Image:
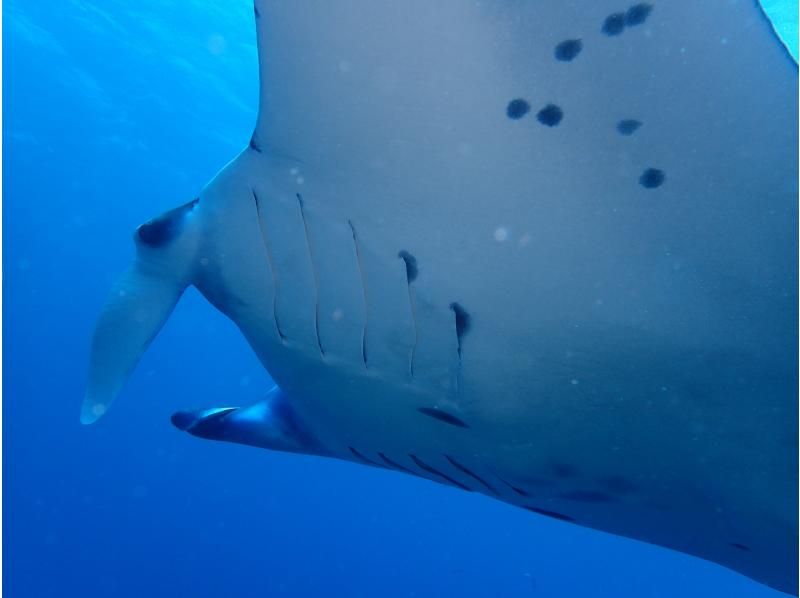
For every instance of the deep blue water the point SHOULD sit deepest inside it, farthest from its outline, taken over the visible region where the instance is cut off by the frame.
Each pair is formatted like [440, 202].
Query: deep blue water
[115, 111]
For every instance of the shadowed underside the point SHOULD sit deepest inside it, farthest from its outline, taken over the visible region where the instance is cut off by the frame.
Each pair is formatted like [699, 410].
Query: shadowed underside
[544, 252]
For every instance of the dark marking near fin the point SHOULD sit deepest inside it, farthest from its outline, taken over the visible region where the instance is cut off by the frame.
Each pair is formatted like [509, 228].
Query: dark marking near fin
[254, 145]
[411, 275]
[567, 50]
[740, 546]
[255, 9]
[614, 24]
[361, 457]
[442, 416]
[463, 322]
[587, 496]
[517, 108]
[394, 464]
[652, 178]
[550, 115]
[637, 14]
[628, 126]
[553, 514]
[411, 265]
[425, 467]
[471, 474]
[165, 228]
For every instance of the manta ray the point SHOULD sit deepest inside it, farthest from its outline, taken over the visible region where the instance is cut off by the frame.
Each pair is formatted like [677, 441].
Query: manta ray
[543, 251]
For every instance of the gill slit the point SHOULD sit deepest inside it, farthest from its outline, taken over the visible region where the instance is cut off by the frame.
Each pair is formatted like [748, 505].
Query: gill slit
[274, 274]
[364, 288]
[313, 272]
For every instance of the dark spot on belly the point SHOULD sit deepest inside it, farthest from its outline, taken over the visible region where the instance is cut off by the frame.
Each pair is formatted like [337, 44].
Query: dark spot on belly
[550, 115]
[628, 126]
[517, 108]
[411, 265]
[463, 324]
[567, 50]
[254, 145]
[159, 231]
[586, 496]
[652, 178]
[442, 416]
[463, 319]
[740, 546]
[614, 24]
[552, 514]
[637, 14]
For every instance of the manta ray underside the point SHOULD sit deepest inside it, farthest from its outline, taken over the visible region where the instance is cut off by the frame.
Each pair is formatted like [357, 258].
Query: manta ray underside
[543, 251]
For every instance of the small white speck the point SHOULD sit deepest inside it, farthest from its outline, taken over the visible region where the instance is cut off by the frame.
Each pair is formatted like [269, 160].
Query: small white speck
[294, 171]
[524, 240]
[337, 314]
[98, 409]
[300, 180]
[574, 382]
[723, 41]
[501, 234]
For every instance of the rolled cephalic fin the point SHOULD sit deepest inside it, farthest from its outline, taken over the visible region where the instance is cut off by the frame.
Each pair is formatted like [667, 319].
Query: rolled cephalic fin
[139, 304]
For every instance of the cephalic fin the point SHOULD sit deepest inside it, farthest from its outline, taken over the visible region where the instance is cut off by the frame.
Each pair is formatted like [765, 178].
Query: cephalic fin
[139, 304]
[136, 310]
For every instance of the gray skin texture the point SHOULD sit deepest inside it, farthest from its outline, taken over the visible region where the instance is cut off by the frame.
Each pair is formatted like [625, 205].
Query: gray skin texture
[624, 357]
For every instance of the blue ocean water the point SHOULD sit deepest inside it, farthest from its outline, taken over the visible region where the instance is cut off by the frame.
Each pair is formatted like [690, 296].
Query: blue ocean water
[116, 111]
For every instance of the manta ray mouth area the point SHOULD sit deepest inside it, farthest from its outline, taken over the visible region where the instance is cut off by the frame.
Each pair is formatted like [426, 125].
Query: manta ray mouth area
[205, 424]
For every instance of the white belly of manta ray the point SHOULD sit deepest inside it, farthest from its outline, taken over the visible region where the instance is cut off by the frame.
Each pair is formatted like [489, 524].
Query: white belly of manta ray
[517, 254]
